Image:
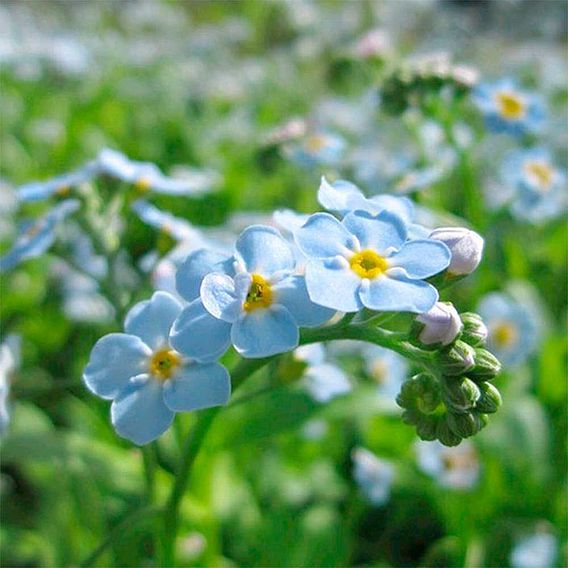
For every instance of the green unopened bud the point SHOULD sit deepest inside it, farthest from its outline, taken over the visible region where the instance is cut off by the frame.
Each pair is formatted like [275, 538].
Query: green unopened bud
[426, 427]
[446, 435]
[474, 330]
[460, 395]
[421, 392]
[465, 425]
[457, 359]
[490, 399]
[487, 366]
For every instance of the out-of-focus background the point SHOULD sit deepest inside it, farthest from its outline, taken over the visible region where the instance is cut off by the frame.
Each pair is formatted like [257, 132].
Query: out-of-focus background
[256, 93]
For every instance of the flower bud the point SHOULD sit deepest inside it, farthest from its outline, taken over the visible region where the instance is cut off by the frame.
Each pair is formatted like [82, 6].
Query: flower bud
[445, 435]
[457, 359]
[465, 245]
[465, 425]
[426, 427]
[440, 325]
[421, 393]
[460, 395]
[487, 366]
[490, 399]
[474, 330]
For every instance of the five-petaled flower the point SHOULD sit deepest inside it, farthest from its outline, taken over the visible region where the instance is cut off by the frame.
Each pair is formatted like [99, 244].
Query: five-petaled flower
[366, 261]
[146, 378]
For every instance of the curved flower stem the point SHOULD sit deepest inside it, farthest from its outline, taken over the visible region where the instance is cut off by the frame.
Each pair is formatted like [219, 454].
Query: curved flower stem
[246, 367]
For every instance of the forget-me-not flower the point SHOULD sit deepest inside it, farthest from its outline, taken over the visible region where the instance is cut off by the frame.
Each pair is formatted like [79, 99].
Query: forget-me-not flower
[513, 328]
[365, 260]
[146, 378]
[506, 108]
[36, 236]
[146, 176]
[540, 191]
[388, 369]
[538, 550]
[373, 475]
[317, 148]
[259, 309]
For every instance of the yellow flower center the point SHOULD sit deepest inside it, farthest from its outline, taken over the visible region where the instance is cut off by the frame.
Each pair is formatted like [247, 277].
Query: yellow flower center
[368, 264]
[504, 334]
[379, 371]
[63, 191]
[259, 294]
[164, 363]
[510, 105]
[542, 172]
[142, 184]
[315, 143]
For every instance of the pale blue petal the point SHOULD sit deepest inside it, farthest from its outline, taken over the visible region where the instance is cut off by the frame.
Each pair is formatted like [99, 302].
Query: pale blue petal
[139, 412]
[382, 233]
[115, 359]
[422, 258]
[401, 206]
[152, 319]
[197, 265]
[323, 236]
[265, 332]
[198, 386]
[398, 294]
[292, 293]
[339, 196]
[220, 297]
[264, 251]
[199, 335]
[333, 284]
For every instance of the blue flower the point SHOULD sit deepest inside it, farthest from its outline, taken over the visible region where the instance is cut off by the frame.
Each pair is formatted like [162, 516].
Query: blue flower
[373, 475]
[146, 176]
[343, 197]
[366, 261]
[9, 363]
[322, 379]
[35, 237]
[59, 186]
[540, 187]
[538, 550]
[147, 380]
[455, 468]
[258, 310]
[388, 369]
[317, 149]
[508, 109]
[513, 327]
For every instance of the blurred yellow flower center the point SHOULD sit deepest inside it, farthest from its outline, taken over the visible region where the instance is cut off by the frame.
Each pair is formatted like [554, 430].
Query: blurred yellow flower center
[315, 143]
[460, 461]
[510, 105]
[379, 371]
[142, 184]
[542, 172]
[164, 363]
[504, 334]
[368, 264]
[63, 190]
[259, 294]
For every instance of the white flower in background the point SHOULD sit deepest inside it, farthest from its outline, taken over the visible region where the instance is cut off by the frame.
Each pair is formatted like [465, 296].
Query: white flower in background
[9, 363]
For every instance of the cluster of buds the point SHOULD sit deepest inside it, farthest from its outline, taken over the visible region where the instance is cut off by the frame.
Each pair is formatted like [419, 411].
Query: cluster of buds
[411, 83]
[452, 400]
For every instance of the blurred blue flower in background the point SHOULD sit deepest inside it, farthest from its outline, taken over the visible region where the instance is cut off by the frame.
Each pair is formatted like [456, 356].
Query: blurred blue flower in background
[147, 380]
[387, 368]
[10, 358]
[455, 468]
[506, 108]
[539, 186]
[36, 237]
[513, 327]
[373, 475]
[366, 261]
[539, 550]
[316, 148]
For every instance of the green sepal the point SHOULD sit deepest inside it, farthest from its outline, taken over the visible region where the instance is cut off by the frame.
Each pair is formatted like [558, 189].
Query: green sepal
[474, 330]
[486, 367]
[457, 359]
[427, 426]
[446, 435]
[465, 425]
[490, 399]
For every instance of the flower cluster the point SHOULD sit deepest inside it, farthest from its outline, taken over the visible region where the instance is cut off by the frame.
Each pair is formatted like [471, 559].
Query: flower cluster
[258, 298]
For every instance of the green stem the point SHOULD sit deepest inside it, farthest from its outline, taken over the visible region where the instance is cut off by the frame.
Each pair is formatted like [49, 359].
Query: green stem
[118, 531]
[246, 367]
